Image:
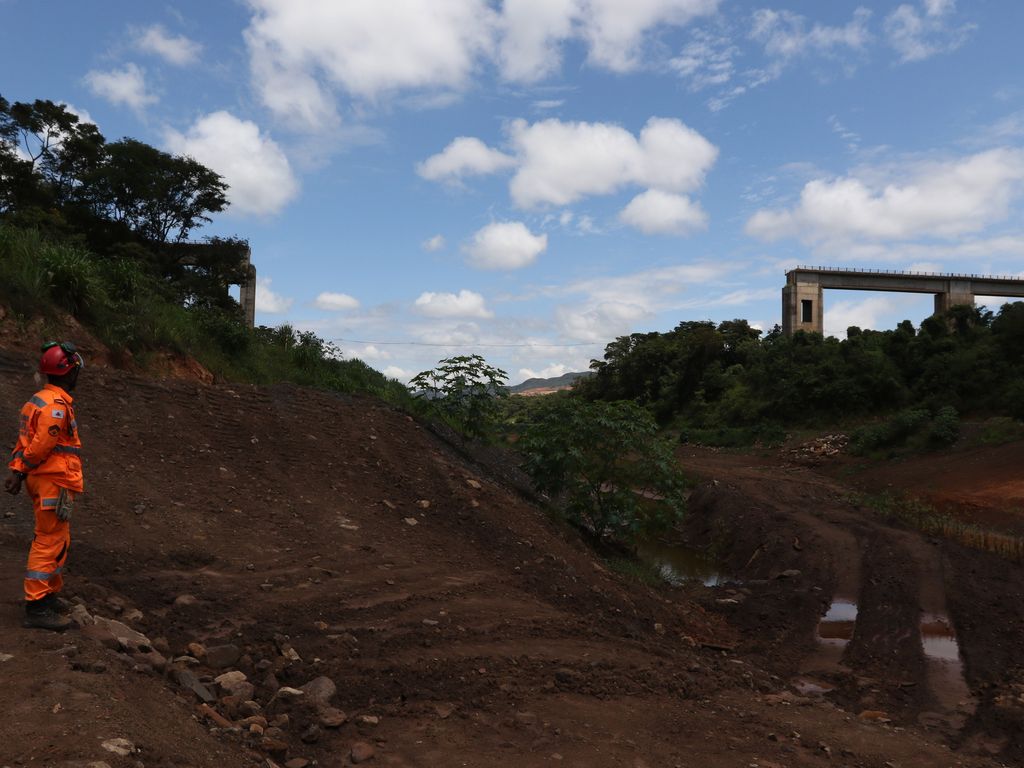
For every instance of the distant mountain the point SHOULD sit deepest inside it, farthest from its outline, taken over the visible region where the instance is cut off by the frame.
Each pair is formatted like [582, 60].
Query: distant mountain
[543, 386]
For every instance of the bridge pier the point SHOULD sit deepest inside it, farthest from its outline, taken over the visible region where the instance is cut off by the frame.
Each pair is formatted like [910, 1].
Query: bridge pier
[957, 292]
[803, 308]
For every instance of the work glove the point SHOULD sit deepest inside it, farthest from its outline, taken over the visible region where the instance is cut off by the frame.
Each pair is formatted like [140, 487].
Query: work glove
[13, 483]
[64, 505]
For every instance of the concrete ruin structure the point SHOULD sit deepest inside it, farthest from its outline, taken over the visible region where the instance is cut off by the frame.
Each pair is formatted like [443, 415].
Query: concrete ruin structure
[247, 292]
[803, 305]
[246, 285]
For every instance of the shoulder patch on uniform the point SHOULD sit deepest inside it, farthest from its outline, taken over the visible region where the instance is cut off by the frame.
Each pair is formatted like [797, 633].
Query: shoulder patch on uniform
[54, 430]
[57, 413]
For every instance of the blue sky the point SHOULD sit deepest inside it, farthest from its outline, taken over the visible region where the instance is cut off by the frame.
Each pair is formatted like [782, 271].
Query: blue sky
[529, 179]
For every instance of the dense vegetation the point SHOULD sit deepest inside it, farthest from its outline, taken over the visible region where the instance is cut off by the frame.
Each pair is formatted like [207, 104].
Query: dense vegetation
[728, 380]
[100, 230]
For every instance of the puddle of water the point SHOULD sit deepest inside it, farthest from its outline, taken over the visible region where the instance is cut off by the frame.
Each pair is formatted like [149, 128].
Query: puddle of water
[678, 564]
[939, 639]
[837, 625]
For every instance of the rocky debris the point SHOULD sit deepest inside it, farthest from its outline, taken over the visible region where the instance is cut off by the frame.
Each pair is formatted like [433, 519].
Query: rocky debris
[217, 717]
[222, 656]
[332, 718]
[790, 573]
[198, 650]
[81, 616]
[5, 657]
[423, 504]
[97, 764]
[188, 680]
[236, 684]
[121, 747]
[297, 762]
[185, 600]
[319, 691]
[117, 636]
[475, 484]
[812, 452]
[444, 711]
[361, 752]
[411, 521]
[369, 720]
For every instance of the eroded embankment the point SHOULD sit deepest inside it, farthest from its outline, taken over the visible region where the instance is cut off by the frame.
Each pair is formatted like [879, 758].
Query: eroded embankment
[876, 619]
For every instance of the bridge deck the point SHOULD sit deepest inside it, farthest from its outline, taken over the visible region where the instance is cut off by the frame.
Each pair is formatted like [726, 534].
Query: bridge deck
[906, 282]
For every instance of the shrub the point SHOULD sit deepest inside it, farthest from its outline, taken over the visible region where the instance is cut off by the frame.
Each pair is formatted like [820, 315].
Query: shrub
[604, 462]
[466, 391]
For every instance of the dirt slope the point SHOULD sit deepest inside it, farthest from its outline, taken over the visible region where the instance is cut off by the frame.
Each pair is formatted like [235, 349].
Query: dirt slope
[298, 535]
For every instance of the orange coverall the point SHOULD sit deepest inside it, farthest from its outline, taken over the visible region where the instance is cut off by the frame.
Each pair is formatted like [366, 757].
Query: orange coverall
[49, 452]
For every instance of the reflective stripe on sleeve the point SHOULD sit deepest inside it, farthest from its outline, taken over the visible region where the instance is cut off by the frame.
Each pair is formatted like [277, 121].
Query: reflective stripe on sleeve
[42, 575]
[49, 503]
[67, 449]
[38, 401]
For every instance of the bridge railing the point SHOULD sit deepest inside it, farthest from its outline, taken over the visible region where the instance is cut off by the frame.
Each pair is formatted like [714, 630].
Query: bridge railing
[902, 272]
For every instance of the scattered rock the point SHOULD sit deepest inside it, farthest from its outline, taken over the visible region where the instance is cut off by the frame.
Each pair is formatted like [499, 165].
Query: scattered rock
[369, 720]
[222, 656]
[319, 691]
[188, 680]
[790, 573]
[311, 735]
[196, 649]
[98, 764]
[5, 657]
[361, 752]
[473, 483]
[444, 711]
[274, 746]
[121, 747]
[874, 714]
[411, 521]
[184, 600]
[81, 616]
[388, 504]
[332, 718]
[236, 684]
[423, 504]
[298, 762]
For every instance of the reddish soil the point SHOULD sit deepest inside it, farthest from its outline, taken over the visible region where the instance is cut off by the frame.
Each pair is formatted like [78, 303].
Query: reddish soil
[331, 536]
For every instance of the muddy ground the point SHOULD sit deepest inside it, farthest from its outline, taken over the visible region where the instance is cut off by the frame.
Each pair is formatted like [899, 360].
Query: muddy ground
[291, 535]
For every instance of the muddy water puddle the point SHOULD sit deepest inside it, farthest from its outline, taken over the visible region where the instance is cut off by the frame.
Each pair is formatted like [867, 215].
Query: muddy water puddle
[836, 627]
[678, 564]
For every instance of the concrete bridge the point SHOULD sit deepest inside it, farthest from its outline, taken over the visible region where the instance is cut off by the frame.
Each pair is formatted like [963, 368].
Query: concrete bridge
[803, 305]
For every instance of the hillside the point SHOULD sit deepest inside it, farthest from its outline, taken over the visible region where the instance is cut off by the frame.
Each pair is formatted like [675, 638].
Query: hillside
[292, 535]
[552, 384]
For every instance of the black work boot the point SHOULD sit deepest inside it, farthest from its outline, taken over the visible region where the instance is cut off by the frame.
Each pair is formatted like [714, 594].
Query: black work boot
[43, 614]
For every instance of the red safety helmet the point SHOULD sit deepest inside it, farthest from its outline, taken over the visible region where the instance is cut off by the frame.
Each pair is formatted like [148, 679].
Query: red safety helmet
[59, 358]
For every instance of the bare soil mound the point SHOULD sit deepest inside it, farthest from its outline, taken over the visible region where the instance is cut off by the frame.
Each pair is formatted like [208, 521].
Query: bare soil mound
[318, 580]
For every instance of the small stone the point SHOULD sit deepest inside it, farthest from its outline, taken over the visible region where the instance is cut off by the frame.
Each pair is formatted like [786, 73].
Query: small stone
[311, 735]
[388, 504]
[281, 721]
[298, 762]
[184, 600]
[81, 616]
[256, 729]
[444, 711]
[229, 679]
[319, 691]
[222, 656]
[121, 747]
[5, 657]
[189, 661]
[423, 504]
[285, 692]
[134, 615]
[187, 679]
[332, 718]
[98, 764]
[361, 752]
[431, 622]
[411, 521]
[273, 746]
[790, 573]
[369, 720]
[473, 483]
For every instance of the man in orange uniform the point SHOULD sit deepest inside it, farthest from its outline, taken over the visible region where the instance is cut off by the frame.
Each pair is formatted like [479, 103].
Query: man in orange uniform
[47, 459]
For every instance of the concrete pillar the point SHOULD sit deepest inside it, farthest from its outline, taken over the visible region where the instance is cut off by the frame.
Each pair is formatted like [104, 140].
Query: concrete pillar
[803, 308]
[247, 292]
[957, 292]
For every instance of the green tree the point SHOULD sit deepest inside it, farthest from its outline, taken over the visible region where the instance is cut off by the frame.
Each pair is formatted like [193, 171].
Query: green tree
[617, 479]
[466, 390]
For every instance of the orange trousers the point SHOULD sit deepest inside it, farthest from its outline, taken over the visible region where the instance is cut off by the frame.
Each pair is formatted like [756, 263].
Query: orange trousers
[50, 545]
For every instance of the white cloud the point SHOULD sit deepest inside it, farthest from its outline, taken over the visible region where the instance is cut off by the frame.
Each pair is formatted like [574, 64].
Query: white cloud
[301, 54]
[705, 61]
[505, 245]
[917, 35]
[601, 322]
[125, 86]
[563, 162]
[785, 35]
[368, 352]
[614, 29]
[82, 115]
[175, 49]
[871, 313]
[549, 372]
[258, 172]
[463, 304]
[268, 301]
[947, 199]
[464, 156]
[663, 213]
[532, 34]
[365, 48]
[335, 302]
[394, 372]
[435, 243]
